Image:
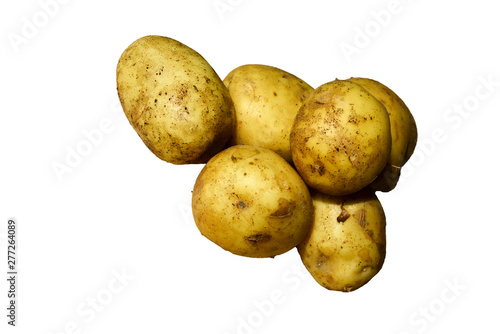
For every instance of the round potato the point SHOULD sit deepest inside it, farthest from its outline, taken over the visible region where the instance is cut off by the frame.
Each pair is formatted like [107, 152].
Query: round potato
[345, 247]
[403, 132]
[341, 138]
[174, 100]
[266, 100]
[251, 202]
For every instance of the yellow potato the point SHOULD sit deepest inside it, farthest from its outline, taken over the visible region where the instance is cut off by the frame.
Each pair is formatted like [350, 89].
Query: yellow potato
[174, 100]
[341, 138]
[251, 202]
[266, 100]
[403, 132]
[345, 247]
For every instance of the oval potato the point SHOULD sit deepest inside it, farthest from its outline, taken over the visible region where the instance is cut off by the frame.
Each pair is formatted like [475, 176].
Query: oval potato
[403, 132]
[341, 138]
[174, 100]
[251, 202]
[266, 100]
[346, 245]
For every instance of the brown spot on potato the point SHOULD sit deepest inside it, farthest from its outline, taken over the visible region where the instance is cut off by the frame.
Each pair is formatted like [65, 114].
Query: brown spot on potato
[318, 167]
[322, 258]
[260, 237]
[360, 216]
[241, 205]
[366, 268]
[353, 159]
[282, 184]
[347, 288]
[344, 215]
[285, 209]
[352, 119]
[370, 233]
[364, 254]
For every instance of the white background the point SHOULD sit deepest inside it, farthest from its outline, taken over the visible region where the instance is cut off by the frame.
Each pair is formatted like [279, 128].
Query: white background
[118, 211]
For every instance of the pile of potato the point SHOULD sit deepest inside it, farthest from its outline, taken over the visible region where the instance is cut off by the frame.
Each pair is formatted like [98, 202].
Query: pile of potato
[286, 165]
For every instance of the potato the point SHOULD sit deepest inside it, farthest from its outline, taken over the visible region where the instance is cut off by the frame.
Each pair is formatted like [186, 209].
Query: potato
[403, 132]
[174, 100]
[345, 247]
[266, 100]
[341, 138]
[251, 202]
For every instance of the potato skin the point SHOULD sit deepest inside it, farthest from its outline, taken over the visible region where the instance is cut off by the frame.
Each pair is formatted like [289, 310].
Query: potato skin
[174, 100]
[403, 132]
[251, 202]
[266, 101]
[346, 245]
[341, 138]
